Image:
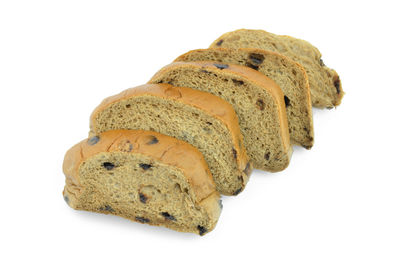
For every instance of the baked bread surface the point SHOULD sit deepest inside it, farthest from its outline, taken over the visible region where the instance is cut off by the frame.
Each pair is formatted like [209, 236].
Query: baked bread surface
[144, 176]
[325, 85]
[287, 74]
[199, 118]
[257, 100]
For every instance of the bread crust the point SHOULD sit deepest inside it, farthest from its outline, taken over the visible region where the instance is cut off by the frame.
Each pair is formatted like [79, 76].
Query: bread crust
[211, 104]
[167, 150]
[313, 54]
[299, 69]
[254, 77]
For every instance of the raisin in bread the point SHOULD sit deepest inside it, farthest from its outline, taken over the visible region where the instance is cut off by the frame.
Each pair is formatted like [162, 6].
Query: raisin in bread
[325, 85]
[205, 121]
[143, 176]
[257, 100]
[289, 76]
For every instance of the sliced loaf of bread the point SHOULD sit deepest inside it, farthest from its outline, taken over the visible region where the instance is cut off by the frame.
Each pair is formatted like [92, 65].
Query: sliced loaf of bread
[289, 75]
[205, 121]
[257, 100]
[325, 85]
[143, 176]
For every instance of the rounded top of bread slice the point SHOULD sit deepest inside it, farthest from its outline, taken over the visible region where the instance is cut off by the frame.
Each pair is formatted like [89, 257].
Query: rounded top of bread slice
[325, 84]
[165, 149]
[289, 75]
[249, 75]
[207, 102]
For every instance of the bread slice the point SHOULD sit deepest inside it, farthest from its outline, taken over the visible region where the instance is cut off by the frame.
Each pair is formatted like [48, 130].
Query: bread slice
[257, 100]
[287, 74]
[144, 176]
[199, 118]
[325, 85]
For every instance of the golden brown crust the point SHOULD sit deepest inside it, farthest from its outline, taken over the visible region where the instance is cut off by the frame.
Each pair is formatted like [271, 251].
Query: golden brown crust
[252, 76]
[213, 209]
[303, 50]
[226, 52]
[253, 50]
[167, 150]
[213, 105]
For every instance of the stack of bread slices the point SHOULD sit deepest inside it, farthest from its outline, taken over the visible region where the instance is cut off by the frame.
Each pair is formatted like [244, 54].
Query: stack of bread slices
[163, 152]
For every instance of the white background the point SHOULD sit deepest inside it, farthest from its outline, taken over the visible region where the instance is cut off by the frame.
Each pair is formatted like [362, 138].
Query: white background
[336, 204]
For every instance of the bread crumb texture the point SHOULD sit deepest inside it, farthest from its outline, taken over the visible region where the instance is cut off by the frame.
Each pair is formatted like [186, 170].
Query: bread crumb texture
[201, 119]
[287, 74]
[257, 100]
[326, 88]
[142, 176]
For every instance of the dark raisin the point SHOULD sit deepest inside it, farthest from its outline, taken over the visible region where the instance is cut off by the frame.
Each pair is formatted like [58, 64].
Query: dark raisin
[128, 106]
[66, 199]
[238, 191]
[336, 83]
[255, 67]
[202, 230]
[237, 82]
[287, 101]
[106, 208]
[108, 165]
[93, 140]
[247, 170]
[143, 198]
[153, 140]
[168, 216]
[306, 146]
[145, 166]
[306, 130]
[221, 66]
[159, 82]
[220, 42]
[321, 62]
[234, 153]
[256, 58]
[220, 204]
[266, 156]
[209, 123]
[205, 71]
[142, 219]
[260, 104]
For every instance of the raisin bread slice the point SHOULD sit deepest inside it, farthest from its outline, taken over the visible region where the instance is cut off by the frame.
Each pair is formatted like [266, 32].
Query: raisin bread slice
[289, 76]
[257, 100]
[143, 176]
[325, 85]
[199, 118]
